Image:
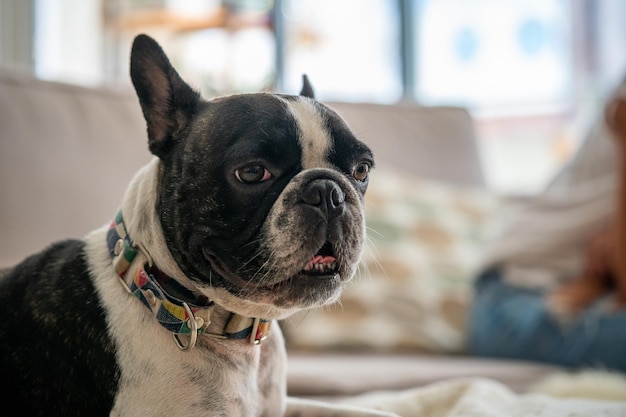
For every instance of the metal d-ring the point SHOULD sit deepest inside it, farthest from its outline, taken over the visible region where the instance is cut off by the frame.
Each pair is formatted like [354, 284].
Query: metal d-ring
[193, 336]
[145, 253]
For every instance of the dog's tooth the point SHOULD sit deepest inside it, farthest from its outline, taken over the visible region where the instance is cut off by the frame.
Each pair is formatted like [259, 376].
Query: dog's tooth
[320, 267]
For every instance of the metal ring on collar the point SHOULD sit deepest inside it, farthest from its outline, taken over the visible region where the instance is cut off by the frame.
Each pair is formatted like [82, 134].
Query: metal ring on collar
[193, 336]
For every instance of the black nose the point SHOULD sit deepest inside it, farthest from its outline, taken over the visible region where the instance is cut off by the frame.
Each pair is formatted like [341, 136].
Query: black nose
[325, 195]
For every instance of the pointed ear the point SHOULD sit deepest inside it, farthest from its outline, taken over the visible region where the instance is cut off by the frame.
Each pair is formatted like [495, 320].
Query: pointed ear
[307, 89]
[167, 102]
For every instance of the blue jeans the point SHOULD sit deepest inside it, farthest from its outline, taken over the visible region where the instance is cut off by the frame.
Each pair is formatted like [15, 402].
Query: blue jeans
[513, 322]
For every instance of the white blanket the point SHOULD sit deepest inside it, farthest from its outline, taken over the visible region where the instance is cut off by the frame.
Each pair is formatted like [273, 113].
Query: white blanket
[477, 397]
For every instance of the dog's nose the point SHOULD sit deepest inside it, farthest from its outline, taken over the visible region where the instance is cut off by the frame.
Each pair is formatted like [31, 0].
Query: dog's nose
[325, 195]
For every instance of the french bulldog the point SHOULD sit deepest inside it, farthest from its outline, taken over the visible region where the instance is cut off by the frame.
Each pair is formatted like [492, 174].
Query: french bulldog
[251, 210]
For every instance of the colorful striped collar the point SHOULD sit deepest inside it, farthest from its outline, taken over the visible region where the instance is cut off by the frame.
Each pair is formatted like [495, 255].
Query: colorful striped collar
[176, 307]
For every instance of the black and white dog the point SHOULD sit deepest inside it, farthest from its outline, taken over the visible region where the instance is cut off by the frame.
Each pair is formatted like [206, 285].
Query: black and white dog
[251, 210]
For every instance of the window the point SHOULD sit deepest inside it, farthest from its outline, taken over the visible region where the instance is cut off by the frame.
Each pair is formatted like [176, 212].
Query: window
[349, 49]
[531, 72]
[494, 55]
[59, 53]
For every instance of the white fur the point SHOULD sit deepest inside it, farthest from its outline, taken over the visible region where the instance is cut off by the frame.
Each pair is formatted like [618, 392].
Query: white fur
[142, 220]
[314, 137]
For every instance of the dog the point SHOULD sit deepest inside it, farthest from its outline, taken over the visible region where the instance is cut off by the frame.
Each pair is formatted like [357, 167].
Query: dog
[250, 210]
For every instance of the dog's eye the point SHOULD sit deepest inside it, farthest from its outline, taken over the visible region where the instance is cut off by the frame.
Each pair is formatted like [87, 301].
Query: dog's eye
[361, 171]
[253, 174]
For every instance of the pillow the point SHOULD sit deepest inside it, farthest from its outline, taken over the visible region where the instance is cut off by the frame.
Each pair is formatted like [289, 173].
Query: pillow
[414, 285]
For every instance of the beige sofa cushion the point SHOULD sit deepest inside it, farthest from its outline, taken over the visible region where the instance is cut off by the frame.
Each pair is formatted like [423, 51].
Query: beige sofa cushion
[66, 155]
[435, 142]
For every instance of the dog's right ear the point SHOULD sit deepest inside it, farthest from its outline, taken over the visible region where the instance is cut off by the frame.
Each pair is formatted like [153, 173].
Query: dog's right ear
[167, 102]
[307, 88]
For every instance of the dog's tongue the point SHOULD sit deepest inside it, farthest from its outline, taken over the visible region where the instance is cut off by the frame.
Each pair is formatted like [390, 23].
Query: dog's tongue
[320, 259]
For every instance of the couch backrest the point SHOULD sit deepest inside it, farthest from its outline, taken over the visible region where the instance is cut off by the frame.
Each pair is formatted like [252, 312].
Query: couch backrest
[435, 142]
[67, 154]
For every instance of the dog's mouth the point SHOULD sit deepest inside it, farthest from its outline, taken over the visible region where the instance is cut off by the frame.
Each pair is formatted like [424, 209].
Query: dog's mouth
[323, 263]
[295, 280]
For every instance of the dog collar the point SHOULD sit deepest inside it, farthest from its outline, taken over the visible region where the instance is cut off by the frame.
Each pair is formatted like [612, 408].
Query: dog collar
[176, 307]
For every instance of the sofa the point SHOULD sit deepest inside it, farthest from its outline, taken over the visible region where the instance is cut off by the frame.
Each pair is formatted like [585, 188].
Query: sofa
[68, 152]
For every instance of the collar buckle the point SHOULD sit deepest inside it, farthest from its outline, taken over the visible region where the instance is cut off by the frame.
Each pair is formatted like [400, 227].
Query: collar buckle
[193, 323]
[260, 330]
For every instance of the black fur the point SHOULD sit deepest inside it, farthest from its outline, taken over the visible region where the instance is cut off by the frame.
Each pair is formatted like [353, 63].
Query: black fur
[59, 330]
[220, 221]
[307, 88]
[167, 102]
[209, 219]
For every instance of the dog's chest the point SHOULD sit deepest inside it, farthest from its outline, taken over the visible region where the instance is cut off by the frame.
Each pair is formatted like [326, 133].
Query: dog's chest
[203, 382]
[204, 385]
[156, 378]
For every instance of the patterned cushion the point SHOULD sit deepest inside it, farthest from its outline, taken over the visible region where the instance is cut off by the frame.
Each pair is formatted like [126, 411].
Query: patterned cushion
[425, 241]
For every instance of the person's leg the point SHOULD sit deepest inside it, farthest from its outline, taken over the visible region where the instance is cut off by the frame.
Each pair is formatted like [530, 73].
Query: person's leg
[511, 322]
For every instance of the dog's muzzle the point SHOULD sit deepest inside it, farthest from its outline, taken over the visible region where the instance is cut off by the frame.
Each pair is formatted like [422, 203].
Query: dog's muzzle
[312, 238]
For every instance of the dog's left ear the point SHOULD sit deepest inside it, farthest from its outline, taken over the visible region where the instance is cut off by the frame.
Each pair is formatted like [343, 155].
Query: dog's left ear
[167, 102]
[307, 89]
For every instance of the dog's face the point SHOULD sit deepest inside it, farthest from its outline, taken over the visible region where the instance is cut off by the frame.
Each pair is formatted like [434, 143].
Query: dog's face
[260, 195]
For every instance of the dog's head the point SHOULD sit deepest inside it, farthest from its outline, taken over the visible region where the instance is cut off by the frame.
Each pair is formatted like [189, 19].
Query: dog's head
[260, 196]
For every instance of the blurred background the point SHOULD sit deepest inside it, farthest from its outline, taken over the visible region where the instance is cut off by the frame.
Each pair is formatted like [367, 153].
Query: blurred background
[533, 73]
